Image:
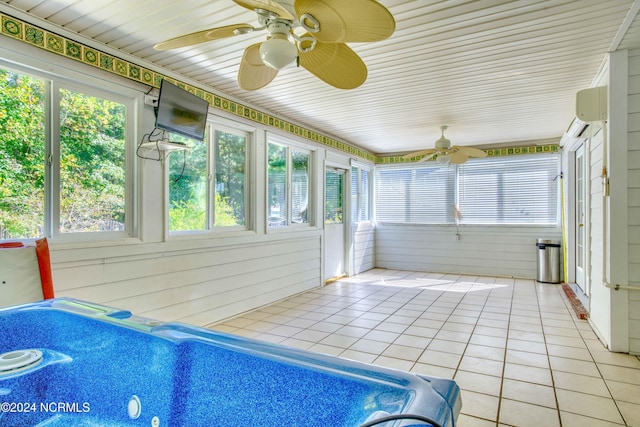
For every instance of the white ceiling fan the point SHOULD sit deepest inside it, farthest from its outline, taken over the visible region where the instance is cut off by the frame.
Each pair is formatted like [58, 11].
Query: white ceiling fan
[319, 46]
[445, 152]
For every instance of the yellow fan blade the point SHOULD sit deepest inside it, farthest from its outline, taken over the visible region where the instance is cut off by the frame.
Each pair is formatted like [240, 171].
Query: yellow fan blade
[203, 36]
[470, 151]
[345, 21]
[421, 153]
[253, 74]
[269, 5]
[458, 157]
[335, 64]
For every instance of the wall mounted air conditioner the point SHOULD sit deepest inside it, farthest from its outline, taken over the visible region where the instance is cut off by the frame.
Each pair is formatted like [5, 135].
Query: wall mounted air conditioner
[591, 104]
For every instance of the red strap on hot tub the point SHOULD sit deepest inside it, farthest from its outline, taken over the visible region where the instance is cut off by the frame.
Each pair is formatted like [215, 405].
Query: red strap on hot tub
[44, 262]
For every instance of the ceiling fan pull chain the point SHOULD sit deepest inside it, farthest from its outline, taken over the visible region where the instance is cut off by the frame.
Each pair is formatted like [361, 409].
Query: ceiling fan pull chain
[304, 18]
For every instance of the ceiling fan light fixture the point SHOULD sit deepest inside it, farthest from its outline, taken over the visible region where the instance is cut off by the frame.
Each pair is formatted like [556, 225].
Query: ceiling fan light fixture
[278, 51]
[443, 159]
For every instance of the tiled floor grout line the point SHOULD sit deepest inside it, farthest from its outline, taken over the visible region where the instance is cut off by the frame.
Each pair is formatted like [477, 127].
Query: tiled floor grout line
[546, 346]
[427, 346]
[504, 359]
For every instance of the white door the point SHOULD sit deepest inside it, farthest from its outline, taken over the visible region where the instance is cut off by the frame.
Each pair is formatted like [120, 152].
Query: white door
[334, 224]
[580, 220]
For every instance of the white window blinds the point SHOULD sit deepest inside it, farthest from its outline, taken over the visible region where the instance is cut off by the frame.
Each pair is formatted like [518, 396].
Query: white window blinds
[364, 195]
[497, 190]
[416, 194]
[355, 205]
[509, 190]
[360, 195]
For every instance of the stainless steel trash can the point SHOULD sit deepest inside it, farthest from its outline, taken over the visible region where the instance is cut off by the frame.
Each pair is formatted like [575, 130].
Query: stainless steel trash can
[548, 260]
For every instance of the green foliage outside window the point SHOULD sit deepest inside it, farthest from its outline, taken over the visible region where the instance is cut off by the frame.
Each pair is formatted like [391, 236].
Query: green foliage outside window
[277, 185]
[230, 163]
[188, 187]
[188, 183]
[91, 163]
[287, 186]
[22, 155]
[333, 197]
[188, 215]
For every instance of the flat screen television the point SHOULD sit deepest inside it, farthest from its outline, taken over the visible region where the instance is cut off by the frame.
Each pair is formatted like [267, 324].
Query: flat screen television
[181, 112]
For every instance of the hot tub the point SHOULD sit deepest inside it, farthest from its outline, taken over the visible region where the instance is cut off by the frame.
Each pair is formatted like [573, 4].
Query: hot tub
[65, 362]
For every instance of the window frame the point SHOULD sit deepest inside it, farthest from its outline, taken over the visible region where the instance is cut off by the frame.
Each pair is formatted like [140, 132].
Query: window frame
[218, 124]
[130, 143]
[290, 146]
[54, 82]
[342, 174]
[357, 200]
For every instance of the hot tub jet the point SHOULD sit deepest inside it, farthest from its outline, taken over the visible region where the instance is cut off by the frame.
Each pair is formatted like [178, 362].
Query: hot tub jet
[17, 360]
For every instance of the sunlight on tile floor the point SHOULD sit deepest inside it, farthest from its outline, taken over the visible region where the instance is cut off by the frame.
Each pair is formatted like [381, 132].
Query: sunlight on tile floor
[515, 347]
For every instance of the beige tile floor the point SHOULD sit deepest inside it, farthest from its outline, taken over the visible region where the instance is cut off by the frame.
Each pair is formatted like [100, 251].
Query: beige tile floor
[515, 347]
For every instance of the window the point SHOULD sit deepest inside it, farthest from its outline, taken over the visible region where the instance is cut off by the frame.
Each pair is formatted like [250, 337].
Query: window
[287, 185]
[277, 185]
[416, 194]
[86, 189]
[299, 187]
[333, 196]
[365, 210]
[188, 186]
[498, 190]
[22, 156]
[195, 202]
[360, 194]
[230, 156]
[92, 163]
[509, 190]
[354, 194]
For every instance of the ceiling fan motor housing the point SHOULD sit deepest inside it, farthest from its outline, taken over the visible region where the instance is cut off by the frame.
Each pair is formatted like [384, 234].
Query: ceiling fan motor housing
[443, 143]
[279, 26]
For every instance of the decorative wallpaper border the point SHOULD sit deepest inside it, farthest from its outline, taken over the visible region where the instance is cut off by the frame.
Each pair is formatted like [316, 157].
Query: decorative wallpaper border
[76, 51]
[534, 149]
[54, 43]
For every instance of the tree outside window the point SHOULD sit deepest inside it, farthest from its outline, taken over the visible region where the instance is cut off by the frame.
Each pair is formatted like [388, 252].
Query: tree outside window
[288, 184]
[92, 163]
[87, 190]
[22, 156]
[196, 203]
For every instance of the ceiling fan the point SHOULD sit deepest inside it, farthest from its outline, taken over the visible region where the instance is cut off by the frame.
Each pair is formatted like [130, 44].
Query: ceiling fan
[326, 25]
[445, 152]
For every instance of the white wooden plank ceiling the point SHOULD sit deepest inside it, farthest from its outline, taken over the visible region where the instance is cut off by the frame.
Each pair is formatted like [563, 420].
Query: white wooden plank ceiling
[495, 71]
